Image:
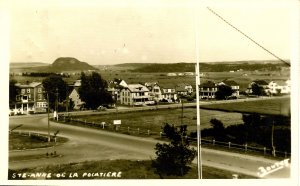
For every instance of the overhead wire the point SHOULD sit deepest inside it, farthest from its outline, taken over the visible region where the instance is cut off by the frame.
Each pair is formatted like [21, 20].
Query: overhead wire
[250, 38]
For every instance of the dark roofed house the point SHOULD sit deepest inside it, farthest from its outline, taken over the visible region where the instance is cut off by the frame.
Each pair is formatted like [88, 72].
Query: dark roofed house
[208, 90]
[261, 83]
[234, 86]
[184, 89]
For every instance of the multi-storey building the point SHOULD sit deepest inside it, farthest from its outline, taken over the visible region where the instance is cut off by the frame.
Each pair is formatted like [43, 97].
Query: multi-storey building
[134, 95]
[31, 99]
[169, 94]
[155, 92]
[208, 90]
[234, 86]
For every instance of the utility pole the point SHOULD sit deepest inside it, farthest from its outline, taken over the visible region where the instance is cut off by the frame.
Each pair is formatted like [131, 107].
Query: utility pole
[197, 76]
[67, 99]
[56, 103]
[48, 117]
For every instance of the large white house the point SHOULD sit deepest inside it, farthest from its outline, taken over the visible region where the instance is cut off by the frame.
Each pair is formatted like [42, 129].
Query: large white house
[74, 95]
[282, 87]
[155, 92]
[135, 95]
[169, 94]
[208, 90]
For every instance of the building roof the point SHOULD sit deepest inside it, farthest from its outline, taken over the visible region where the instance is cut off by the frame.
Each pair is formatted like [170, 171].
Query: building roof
[30, 85]
[181, 87]
[208, 84]
[230, 83]
[137, 88]
[260, 82]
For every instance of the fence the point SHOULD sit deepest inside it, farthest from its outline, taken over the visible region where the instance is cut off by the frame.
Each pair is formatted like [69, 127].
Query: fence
[43, 137]
[111, 127]
[146, 132]
[243, 148]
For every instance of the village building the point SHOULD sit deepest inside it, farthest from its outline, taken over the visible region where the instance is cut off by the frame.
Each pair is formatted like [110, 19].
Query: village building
[155, 92]
[234, 86]
[169, 94]
[208, 90]
[184, 89]
[31, 99]
[135, 95]
[74, 95]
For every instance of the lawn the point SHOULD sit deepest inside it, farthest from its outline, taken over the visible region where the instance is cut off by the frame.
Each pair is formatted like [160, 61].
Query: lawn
[153, 120]
[21, 141]
[119, 169]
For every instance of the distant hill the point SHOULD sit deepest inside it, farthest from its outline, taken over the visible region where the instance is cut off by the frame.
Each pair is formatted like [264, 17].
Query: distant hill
[61, 64]
[210, 67]
[69, 64]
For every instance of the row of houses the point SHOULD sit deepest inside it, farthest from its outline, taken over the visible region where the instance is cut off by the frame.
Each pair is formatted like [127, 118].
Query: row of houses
[32, 97]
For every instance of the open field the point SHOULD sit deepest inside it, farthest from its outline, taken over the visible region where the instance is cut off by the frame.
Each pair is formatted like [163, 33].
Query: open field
[124, 169]
[154, 119]
[280, 106]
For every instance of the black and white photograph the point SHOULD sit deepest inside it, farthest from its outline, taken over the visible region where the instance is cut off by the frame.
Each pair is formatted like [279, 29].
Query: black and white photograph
[149, 90]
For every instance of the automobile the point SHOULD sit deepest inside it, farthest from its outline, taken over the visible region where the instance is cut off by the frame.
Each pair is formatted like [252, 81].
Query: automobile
[150, 102]
[11, 112]
[101, 108]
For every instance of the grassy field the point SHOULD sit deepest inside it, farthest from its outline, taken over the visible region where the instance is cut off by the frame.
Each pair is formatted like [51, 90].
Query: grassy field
[21, 142]
[154, 119]
[124, 169]
[280, 106]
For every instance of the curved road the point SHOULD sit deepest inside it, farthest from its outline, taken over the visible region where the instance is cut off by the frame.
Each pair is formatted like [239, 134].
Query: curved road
[90, 144]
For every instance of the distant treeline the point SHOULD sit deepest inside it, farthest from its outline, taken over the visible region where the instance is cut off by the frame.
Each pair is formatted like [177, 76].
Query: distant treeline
[42, 74]
[206, 67]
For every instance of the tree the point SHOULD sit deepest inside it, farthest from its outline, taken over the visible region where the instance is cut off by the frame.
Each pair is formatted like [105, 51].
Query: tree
[251, 123]
[223, 92]
[55, 87]
[93, 91]
[13, 91]
[257, 90]
[218, 129]
[174, 158]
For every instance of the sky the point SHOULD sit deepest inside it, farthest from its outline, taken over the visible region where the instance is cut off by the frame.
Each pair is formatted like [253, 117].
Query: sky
[158, 31]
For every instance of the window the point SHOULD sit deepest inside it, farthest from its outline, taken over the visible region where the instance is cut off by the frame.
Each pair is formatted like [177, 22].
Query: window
[29, 97]
[39, 96]
[39, 90]
[28, 90]
[23, 91]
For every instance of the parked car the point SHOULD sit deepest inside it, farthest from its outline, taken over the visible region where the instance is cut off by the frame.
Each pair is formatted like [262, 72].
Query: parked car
[101, 108]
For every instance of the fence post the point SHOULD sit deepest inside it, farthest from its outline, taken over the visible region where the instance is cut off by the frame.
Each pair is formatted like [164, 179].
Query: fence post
[29, 134]
[128, 128]
[229, 144]
[274, 152]
[148, 132]
[265, 151]
[160, 134]
[85, 122]
[246, 147]
[213, 142]
[138, 130]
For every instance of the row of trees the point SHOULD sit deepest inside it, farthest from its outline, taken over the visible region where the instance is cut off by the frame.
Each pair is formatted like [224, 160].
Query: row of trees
[268, 131]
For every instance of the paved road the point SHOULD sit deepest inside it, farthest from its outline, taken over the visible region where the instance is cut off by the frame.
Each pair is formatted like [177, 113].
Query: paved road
[90, 144]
